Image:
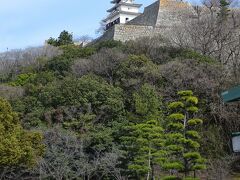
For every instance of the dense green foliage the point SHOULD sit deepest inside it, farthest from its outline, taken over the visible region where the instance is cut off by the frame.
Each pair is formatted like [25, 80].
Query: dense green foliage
[110, 111]
[146, 142]
[183, 138]
[65, 38]
[17, 146]
[224, 10]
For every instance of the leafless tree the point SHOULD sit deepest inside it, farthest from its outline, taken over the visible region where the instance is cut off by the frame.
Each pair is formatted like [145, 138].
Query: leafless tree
[102, 63]
[81, 67]
[83, 40]
[13, 62]
[211, 36]
[13, 173]
[108, 164]
[153, 47]
[102, 28]
[30, 53]
[10, 92]
[220, 169]
[64, 158]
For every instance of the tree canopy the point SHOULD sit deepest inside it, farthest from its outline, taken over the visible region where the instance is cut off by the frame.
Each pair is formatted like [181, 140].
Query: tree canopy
[17, 146]
[65, 38]
[144, 109]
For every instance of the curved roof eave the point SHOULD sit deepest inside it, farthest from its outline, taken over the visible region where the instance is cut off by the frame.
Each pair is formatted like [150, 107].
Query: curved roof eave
[122, 3]
[121, 12]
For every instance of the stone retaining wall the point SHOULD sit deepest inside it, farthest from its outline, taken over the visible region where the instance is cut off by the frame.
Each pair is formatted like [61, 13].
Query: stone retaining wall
[157, 18]
[149, 16]
[108, 35]
[126, 32]
[131, 32]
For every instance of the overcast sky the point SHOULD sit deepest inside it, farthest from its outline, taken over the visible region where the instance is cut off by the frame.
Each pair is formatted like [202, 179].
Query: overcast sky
[27, 23]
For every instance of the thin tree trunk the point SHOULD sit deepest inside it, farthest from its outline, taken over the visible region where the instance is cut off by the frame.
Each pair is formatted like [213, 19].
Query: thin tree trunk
[153, 174]
[149, 164]
[185, 161]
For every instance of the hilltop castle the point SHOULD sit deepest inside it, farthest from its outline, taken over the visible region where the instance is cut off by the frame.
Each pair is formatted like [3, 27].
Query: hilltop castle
[125, 22]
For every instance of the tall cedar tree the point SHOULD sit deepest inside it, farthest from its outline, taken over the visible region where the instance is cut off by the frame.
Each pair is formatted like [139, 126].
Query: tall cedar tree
[182, 139]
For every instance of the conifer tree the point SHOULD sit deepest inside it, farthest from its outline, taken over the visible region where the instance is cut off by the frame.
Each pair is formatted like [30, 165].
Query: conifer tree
[182, 140]
[65, 38]
[147, 104]
[142, 139]
[146, 142]
[17, 146]
[224, 10]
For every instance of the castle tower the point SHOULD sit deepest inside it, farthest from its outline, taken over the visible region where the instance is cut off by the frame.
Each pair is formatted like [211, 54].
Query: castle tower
[122, 12]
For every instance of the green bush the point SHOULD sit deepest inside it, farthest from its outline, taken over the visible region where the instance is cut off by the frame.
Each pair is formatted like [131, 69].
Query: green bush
[90, 93]
[190, 178]
[43, 78]
[23, 79]
[17, 146]
[190, 54]
[136, 71]
[73, 51]
[108, 44]
[63, 63]
[171, 178]
[59, 64]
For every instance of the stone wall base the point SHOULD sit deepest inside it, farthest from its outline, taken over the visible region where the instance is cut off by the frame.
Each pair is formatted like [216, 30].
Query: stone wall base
[125, 32]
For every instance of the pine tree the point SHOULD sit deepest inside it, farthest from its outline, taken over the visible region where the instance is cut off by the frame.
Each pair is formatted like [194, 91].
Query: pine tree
[147, 105]
[224, 10]
[143, 139]
[65, 38]
[182, 140]
[146, 142]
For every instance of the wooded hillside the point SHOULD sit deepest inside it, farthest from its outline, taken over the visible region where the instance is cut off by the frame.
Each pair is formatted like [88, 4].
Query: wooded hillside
[143, 109]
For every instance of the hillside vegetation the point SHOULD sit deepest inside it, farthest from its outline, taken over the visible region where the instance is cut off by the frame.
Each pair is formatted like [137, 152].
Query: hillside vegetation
[108, 110]
[144, 109]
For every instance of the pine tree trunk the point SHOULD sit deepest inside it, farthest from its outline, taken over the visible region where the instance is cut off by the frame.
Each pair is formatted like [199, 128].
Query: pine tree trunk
[185, 161]
[149, 164]
[153, 175]
[186, 168]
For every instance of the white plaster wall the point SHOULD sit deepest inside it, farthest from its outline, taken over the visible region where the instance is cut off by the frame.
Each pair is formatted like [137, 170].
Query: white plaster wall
[128, 1]
[124, 16]
[129, 9]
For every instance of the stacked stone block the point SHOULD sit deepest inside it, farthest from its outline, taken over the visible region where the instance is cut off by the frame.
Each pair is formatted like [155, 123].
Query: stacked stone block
[156, 19]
